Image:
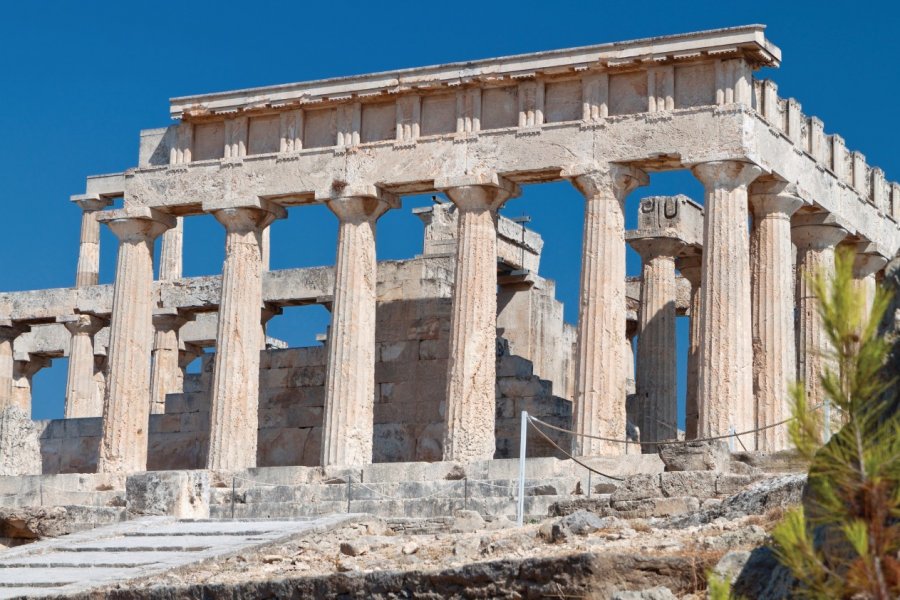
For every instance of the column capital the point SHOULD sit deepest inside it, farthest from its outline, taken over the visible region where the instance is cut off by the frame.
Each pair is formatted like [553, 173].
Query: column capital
[35, 362]
[361, 208]
[90, 202]
[818, 230]
[726, 174]
[690, 267]
[170, 319]
[867, 261]
[249, 217]
[82, 323]
[777, 198]
[591, 179]
[138, 224]
[10, 330]
[477, 191]
[653, 247]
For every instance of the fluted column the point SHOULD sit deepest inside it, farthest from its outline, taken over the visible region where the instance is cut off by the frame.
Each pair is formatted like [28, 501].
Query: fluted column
[23, 374]
[170, 252]
[234, 419]
[81, 390]
[350, 381]
[725, 395]
[689, 267]
[772, 295]
[471, 376]
[165, 376]
[126, 403]
[815, 235]
[88, 271]
[657, 373]
[599, 407]
[9, 331]
[866, 265]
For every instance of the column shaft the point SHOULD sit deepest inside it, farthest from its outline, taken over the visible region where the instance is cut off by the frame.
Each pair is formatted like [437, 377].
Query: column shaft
[350, 383]
[772, 295]
[81, 390]
[170, 252]
[234, 419]
[656, 377]
[471, 377]
[165, 375]
[689, 267]
[126, 405]
[88, 270]
[815, 239]
[600, 365]
[725, 396]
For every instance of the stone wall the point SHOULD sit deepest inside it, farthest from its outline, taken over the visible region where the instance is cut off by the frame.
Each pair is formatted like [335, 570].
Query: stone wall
[412, 347]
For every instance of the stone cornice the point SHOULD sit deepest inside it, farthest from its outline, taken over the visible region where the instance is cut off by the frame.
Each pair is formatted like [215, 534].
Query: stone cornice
[747, 41]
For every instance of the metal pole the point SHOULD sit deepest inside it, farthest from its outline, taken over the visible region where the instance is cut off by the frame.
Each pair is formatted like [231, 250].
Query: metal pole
[589, 483]
[731, 439]
[349, 479]
[826, 421]
[523, 437]
[466, 491]
[232, 498]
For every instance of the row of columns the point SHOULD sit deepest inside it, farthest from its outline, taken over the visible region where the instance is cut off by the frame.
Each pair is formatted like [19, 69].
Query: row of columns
[723, 373]
[738, 382]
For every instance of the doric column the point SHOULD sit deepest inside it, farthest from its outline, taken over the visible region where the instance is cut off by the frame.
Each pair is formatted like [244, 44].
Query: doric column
[815, 235]
[866, 264]
[23, 373]
[471, 375]
[126, 404]
[81, 390]
[235, 390]
[689, 267]
[88, 271]
[350, 381]
[726, 353]
[599, 407]
[657, 374]
[165, 374]
[170, 252]
[9, 331]
[772, 296]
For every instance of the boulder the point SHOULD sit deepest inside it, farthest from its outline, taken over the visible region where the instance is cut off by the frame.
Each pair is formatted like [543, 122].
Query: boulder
[696, 456]
[657, 593]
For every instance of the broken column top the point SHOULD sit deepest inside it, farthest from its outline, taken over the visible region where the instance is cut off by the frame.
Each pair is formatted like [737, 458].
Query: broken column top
[677, 217]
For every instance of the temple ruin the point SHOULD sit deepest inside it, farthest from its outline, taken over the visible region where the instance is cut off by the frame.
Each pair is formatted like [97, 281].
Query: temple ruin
[433, 358]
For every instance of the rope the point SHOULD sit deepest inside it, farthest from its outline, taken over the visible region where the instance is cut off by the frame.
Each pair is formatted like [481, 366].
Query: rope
[552, 443]
[667, 442]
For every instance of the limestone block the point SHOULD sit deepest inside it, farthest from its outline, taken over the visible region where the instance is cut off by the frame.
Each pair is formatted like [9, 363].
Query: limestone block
[696, 456]
[638, 487]
[20, 447]
[182, 494]
[434, 349]
[684, 483]
[728, 484]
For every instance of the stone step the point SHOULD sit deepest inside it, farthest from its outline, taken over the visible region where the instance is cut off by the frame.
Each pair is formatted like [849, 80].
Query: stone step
[107, 555]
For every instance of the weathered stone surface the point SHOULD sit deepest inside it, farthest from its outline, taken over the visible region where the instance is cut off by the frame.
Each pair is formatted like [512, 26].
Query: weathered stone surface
[20, 447]
[183, 494]
[638, 487]
[657, 593]
[696, 456]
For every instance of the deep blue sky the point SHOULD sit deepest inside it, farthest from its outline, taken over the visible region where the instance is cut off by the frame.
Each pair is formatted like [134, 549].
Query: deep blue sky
[81, 79]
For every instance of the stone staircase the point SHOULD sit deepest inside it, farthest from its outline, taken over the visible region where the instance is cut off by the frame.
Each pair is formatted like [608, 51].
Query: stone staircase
[84, 561]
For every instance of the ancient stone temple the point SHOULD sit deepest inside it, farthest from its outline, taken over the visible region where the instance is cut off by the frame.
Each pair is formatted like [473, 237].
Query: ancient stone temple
[433, 358]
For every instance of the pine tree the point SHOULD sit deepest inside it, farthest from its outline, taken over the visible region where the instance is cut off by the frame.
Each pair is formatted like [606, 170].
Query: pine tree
[845, 543]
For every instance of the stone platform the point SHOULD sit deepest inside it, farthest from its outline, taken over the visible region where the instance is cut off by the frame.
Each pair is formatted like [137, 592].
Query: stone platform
[83, 561]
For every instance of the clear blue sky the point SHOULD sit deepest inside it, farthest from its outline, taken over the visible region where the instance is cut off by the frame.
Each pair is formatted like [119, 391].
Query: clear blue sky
[80, 79]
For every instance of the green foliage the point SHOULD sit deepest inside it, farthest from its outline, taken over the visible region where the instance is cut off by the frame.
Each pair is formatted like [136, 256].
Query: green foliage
[719, 588]
[846, 543]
